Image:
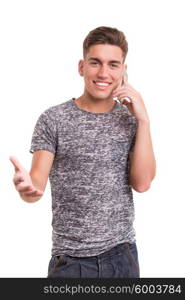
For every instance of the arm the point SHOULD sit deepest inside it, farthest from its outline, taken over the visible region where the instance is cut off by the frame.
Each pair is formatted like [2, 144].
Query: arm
[142, 160]
[31, 185]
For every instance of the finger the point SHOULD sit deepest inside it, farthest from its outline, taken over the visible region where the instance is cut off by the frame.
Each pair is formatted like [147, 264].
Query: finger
[35, 193]
[125, 93]
[28, 189]
[121, 95]
[16, 163]
[118, 90]
[124, 88]
[20, 187]
[18, 179]
[126, 102]
[121, 83]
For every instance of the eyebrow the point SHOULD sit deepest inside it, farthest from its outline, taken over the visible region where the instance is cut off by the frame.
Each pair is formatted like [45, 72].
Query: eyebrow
[111, 61]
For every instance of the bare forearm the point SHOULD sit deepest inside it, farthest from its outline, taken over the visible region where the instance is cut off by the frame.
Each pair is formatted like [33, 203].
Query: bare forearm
[143, 164]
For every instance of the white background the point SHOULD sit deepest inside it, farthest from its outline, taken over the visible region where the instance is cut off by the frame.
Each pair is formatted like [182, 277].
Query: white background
[41, 44]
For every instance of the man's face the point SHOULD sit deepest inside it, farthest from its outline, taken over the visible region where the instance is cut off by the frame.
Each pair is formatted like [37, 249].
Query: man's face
[102, 70]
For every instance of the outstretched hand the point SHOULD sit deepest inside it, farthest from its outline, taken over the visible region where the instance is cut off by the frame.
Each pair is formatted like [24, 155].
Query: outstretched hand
[22, 180]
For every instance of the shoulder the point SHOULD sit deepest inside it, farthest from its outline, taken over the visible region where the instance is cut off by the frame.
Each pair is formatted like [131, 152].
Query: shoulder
[54, 113]
[58, 109]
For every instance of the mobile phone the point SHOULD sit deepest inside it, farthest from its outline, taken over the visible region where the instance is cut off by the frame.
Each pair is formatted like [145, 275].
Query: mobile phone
[126, 74]
[122, 83]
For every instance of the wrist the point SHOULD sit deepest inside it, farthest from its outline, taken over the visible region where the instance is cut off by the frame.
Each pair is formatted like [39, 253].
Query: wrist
[144, 121]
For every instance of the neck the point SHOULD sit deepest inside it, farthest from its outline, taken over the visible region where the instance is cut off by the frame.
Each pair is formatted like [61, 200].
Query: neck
[95, 105]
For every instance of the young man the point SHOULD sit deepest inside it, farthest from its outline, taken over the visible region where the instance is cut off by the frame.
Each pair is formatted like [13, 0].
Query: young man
[94, 149]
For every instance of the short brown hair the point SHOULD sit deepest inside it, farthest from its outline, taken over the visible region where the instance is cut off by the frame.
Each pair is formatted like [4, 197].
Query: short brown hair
[105, 35]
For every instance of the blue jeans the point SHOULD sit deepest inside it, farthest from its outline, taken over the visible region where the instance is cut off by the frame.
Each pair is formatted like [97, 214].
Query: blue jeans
[119, 262]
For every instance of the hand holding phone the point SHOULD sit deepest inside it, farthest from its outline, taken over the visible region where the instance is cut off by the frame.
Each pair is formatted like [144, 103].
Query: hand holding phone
[120, 85]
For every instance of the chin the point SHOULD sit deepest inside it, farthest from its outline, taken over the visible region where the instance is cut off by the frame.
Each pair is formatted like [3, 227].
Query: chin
[100, 96]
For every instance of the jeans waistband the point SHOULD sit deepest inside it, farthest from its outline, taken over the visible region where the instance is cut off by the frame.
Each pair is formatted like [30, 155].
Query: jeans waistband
[113, 251]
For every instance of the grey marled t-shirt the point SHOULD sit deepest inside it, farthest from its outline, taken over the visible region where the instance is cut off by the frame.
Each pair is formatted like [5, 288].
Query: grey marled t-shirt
[92, 201]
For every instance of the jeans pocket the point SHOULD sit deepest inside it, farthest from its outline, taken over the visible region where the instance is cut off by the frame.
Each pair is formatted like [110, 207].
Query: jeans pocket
[133, 258]
[55, 263]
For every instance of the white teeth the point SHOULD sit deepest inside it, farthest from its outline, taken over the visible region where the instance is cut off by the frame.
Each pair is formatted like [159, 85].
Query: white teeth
[102, 83]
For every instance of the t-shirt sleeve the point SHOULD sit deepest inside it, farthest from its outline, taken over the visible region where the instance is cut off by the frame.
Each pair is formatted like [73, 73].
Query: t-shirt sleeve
[45, 133]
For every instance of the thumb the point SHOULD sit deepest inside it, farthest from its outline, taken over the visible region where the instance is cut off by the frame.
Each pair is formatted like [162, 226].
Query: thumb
[16, 163]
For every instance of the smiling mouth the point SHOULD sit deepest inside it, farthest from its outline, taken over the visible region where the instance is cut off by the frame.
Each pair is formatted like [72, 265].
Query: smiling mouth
[101, 84]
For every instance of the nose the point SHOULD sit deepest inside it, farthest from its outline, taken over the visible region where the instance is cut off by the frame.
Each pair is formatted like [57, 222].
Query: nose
[103, 72]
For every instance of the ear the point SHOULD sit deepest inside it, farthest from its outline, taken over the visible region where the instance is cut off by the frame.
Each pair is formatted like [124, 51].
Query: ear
[81, 67]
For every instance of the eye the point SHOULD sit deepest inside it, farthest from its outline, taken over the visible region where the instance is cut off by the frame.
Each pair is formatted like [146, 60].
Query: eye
[114, 65]
[94, 63]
